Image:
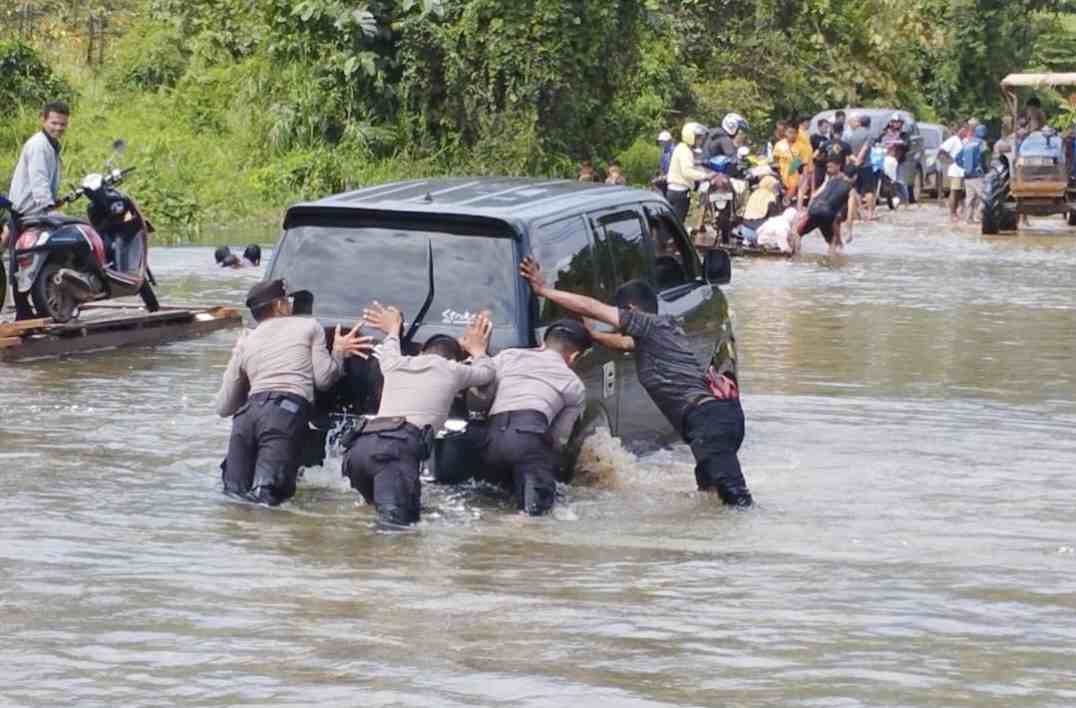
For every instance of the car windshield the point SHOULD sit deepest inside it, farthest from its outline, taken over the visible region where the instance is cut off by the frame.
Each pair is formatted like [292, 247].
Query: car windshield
[348, 267]
[1039, 145]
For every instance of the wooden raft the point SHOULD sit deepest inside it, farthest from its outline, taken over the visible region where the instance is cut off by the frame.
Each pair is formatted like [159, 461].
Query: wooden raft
[108, 325]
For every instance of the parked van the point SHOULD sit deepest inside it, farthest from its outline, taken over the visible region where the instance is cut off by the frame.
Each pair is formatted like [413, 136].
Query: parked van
[465, 238]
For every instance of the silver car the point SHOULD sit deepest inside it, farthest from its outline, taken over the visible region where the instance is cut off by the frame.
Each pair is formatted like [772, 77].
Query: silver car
[933, 169]
[912, 170]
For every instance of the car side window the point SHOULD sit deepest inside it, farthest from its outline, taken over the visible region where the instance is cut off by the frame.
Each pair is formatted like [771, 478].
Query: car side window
[624, 237]
[563, 250]
[675, 263]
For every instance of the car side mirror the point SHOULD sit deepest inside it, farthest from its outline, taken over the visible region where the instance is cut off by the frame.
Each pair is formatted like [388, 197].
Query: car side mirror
[717, 264]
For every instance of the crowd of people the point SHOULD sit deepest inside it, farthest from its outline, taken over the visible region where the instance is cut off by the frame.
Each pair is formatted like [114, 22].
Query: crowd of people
[826, 177]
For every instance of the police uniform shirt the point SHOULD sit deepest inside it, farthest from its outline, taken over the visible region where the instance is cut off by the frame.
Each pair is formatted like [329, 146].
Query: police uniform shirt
[282, 354]
[539, 380]
[421, 388]
[665, 364]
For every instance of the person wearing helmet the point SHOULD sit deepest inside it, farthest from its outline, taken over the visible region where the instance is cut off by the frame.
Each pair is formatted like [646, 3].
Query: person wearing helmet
[683, 173]
[667, 145]
[723, 140]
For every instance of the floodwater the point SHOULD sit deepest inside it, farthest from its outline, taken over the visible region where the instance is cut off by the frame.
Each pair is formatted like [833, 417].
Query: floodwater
[910, 443]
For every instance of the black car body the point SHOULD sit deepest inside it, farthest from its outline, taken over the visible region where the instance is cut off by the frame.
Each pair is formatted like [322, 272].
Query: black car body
[373, 243]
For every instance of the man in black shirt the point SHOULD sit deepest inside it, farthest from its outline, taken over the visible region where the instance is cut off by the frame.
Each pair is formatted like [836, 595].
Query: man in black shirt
[826, 144]
[833, 202]
[702, 404]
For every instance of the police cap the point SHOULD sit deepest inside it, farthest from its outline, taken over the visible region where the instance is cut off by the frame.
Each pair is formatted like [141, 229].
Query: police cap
[266, 292]
[572, 331]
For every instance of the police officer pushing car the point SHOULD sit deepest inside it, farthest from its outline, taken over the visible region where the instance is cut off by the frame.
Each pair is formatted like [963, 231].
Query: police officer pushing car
[385, 454]
[702, 404]
[268, 388]
[538, 399]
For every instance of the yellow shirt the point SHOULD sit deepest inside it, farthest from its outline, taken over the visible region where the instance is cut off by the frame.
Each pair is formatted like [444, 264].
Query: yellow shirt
[682, 170]
[788, 161]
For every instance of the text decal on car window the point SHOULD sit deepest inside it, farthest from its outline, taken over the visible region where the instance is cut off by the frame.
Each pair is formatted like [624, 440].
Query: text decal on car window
[451, 317]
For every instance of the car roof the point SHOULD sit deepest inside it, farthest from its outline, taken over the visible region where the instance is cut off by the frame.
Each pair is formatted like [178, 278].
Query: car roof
[509, 199]
[874, 113]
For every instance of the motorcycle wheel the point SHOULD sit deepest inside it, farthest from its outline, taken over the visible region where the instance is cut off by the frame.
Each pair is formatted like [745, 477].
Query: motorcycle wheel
[149, 297]
[49, 298]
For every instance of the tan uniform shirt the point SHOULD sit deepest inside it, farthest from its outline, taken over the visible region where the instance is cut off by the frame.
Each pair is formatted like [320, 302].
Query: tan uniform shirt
[421, 388]
[539, 380]
[283, 354]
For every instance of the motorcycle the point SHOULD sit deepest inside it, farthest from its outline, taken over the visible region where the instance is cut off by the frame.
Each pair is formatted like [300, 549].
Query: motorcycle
[723, 195]
[59, 262]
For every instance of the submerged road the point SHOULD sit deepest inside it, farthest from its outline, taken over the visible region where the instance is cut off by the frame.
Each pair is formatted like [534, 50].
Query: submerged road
[910, 442]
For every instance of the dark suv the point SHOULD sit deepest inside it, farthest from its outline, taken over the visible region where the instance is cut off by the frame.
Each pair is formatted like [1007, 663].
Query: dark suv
[376, 243]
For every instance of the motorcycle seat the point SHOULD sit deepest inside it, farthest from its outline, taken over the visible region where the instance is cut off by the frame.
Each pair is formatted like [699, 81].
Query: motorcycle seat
[49, 221]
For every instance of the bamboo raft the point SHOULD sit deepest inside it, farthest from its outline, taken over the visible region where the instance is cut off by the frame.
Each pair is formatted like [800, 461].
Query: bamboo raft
[108, 326]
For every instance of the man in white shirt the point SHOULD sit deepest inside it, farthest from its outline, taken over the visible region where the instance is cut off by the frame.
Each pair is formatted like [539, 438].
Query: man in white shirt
[954, 175]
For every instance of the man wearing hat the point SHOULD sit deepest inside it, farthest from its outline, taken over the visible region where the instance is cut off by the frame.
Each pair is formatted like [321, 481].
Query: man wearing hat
[385, 455]
[538, 399]
[268, 389]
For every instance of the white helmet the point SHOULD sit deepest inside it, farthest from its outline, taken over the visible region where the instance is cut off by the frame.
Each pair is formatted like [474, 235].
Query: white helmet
[733, 123]
[692, 131]
[664, 136]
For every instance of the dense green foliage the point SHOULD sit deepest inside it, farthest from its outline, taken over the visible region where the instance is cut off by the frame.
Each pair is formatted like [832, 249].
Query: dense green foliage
[25, 79]
[236, 107]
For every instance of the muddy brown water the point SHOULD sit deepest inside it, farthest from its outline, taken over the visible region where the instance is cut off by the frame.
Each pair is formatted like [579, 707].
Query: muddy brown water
[910, 442]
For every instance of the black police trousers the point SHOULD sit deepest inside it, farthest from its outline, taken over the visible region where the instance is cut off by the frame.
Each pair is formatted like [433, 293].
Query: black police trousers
[384, 467]
[518, 454]
[714, 429]
[263, 453]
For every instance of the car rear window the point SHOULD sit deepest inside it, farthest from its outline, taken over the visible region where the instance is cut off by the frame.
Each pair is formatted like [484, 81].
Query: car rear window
[348, 267]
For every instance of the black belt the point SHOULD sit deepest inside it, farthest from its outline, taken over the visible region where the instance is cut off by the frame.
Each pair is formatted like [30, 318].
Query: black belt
[387, 426]
[278, 396]
[502, 421]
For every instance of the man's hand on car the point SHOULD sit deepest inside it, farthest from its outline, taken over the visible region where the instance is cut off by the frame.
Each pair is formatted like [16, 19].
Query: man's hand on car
[352, 343]
[385, 318]
[475, 339]
[532, 273]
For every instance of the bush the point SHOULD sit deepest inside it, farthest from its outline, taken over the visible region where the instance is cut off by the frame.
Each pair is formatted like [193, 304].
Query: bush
[640, 161]
[26, 80]
[713, 99]
[148, 56]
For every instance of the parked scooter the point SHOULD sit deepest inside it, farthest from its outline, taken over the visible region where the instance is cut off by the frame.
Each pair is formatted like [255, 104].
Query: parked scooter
[59, 262]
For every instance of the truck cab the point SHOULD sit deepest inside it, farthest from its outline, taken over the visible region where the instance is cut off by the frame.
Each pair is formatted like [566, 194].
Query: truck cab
[465, 237]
